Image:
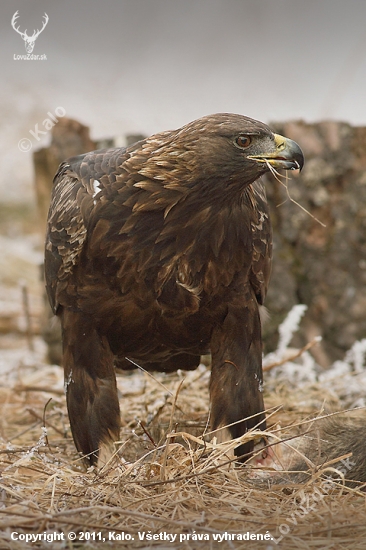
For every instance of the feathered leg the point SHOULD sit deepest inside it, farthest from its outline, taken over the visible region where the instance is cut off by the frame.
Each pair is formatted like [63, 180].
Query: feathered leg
[90, 385]
[236, 376]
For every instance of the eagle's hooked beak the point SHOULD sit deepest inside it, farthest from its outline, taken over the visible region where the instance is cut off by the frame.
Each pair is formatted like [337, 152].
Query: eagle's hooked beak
[286, 155]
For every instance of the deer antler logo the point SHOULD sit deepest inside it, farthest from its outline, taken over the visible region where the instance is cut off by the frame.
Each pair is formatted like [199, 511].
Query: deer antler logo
[29, 40]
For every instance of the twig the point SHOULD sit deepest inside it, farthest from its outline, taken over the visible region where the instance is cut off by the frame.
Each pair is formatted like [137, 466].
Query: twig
[278, 177]
[44, 423]
[43, 420]
[20, 387]
[30, 428]
[140, 423]
[166, 450]
[294, 356]
[149, 374]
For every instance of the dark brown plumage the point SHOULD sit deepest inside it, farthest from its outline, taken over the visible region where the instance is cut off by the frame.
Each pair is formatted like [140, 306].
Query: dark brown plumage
[159, 253]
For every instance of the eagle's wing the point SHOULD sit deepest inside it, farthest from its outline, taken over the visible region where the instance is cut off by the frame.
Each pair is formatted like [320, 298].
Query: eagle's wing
[76, 186]
[66, 230]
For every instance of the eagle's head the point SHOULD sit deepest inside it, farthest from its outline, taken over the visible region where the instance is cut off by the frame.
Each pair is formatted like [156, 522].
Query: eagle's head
[215, 150]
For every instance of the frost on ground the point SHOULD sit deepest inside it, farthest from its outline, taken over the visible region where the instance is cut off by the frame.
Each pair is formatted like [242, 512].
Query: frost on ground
[346, 378]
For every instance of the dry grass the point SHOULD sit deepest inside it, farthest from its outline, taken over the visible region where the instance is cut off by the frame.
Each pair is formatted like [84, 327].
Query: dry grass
[166, 482]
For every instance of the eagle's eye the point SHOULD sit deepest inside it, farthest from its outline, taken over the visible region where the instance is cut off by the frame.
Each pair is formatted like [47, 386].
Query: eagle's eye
[243, 141]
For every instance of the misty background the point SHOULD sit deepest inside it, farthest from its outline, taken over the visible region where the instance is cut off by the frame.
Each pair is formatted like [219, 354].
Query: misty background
[142, 66]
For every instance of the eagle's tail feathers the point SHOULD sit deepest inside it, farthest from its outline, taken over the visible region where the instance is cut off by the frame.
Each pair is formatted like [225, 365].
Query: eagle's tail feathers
[91, 391]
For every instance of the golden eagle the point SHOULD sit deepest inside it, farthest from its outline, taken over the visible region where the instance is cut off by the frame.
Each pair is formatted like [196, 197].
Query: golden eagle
[157, 254]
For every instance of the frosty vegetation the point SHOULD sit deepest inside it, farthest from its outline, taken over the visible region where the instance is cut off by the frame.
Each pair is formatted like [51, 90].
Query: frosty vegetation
[346, 378]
